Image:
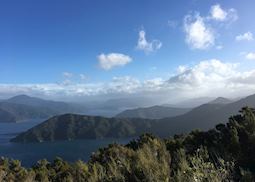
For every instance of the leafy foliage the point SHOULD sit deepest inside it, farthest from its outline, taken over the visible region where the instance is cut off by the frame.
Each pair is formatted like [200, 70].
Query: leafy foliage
[223, 154]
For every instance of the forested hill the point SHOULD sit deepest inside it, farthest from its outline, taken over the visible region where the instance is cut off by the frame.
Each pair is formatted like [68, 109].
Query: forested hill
[223, 154]
[72, 126]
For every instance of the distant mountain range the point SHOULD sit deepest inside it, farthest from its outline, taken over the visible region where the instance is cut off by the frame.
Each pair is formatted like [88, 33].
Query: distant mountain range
[111, 107]
[221, 100]
[154, 112]
[37, 102]
[167, 111]
[23, 107]
[73, 126]
[191, 103]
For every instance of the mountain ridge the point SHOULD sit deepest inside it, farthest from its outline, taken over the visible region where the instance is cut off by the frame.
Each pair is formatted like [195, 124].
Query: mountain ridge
[23, 107]
[153, 112]
[80, 127]
[221, 100]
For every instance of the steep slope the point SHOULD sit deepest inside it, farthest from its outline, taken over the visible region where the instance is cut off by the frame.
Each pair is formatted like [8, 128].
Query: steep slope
[73, 126]
[221, 100]
[203, 117]
[154, 112]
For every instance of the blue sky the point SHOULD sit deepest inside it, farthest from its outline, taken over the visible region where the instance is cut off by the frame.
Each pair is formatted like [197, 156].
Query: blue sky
[80, 44]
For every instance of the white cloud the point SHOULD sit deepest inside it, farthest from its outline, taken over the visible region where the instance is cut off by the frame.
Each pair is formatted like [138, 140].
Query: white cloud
[109, 61]
[219, 14]
[67, 74]
[207, 78]
[147, 46]
[125, 84]
[246, 36]
[212, 71]
[214, 78]
[198, 34]
[181, 69]
[250, 56]
[66, 82]
[201, 31]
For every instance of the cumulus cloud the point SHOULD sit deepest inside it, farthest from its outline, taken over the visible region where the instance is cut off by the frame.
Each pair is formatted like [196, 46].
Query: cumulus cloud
[198, 34]
[250, 56]
[181, 69]
[212, 71]
[147, 46]
[201, 31]
[219, 14]
[246, 36]
[214, 78]
[207, 78]
[109, 61]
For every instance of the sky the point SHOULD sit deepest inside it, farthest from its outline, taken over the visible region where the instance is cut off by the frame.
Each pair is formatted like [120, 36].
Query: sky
[167, 50]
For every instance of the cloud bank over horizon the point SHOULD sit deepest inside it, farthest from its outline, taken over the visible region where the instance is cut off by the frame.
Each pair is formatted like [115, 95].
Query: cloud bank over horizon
[209, 78]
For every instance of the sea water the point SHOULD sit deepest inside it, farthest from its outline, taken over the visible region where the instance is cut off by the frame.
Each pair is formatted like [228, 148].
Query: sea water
[30, 153]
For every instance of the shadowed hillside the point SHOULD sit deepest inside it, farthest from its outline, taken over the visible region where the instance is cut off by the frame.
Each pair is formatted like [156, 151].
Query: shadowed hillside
[72, 126]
